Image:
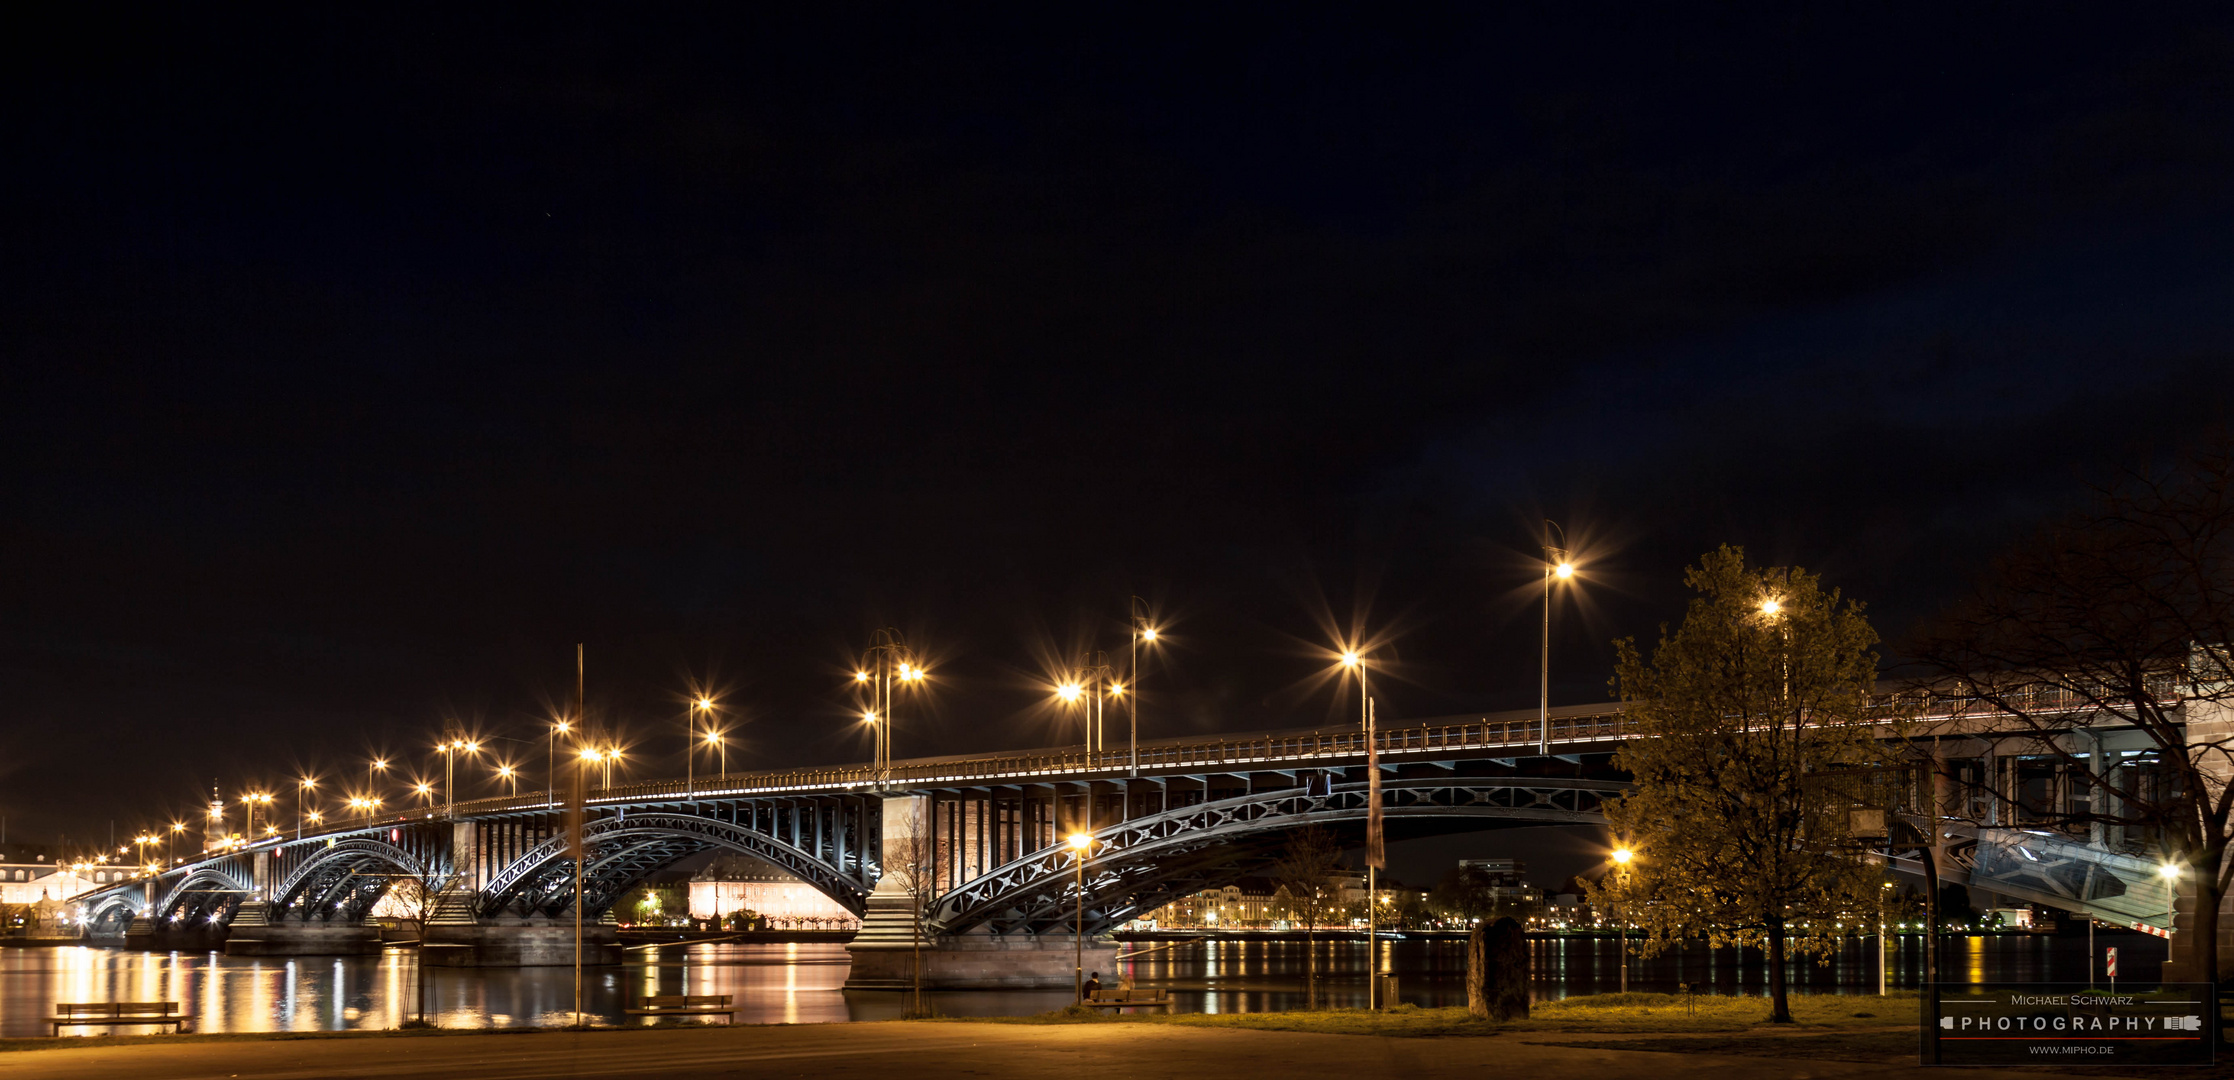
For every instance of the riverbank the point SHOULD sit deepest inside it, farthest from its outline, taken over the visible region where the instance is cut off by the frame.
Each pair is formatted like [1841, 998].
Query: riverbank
[1670, 1014]
[935, 1051]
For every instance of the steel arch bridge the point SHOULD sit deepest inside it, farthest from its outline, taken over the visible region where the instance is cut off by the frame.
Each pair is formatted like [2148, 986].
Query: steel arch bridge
[1186, 815]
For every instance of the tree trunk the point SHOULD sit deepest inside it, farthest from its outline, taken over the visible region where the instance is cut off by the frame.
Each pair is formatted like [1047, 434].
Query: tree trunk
[1477, 973]
[1780, 1003]
[1506, 948]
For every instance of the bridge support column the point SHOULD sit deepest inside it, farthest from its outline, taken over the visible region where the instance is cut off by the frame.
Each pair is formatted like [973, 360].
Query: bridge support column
[981, 960]
[519, 943]
[893, 942]
[290, 938]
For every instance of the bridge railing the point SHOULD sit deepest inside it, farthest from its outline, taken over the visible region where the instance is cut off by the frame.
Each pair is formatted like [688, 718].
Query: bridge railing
[1276, 750]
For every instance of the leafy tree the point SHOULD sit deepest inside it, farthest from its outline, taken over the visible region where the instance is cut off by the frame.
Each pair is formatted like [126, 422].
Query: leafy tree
[1307, 873]
[2116, 615]
[1755, 726]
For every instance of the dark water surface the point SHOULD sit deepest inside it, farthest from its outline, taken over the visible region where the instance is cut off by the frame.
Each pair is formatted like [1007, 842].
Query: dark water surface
[800, 984]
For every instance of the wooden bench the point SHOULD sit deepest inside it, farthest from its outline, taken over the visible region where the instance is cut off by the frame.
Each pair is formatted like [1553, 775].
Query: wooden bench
[1123, 998]
[684, 1005]
[117, 1013]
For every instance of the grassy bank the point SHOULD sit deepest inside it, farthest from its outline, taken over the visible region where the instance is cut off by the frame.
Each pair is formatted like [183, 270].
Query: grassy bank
[1599, 1013]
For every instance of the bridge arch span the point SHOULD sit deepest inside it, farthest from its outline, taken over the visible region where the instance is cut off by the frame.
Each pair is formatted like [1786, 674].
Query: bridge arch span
[344, 881]
[209, 892]
[1144, 863]
[622, 851]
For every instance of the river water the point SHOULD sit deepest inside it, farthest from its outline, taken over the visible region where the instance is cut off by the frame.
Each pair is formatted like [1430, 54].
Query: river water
[801, 984]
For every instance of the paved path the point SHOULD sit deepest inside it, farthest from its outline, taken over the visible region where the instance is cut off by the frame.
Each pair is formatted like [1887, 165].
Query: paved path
[894, 1051]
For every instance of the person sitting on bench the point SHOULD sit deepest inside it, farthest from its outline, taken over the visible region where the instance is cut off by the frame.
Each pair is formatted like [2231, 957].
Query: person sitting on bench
[1093, 985]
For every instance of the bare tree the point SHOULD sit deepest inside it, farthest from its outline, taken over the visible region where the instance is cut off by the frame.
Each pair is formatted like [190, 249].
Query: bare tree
[919, 869]
[421, 894]
[1307, 871]
[2116, 615]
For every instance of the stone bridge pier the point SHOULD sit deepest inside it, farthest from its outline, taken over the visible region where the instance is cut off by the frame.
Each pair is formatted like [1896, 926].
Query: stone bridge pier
[895, 941]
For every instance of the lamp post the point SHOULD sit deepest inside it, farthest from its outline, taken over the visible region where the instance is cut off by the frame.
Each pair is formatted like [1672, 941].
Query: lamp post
[303, 789]
[254, 799]
[690, 743]
[887, 666]
[721, 748]
[1353, 662]
[550, 760]
[450, 751]
[510, 776]
[376, 765]
[1556, 565]
[1074, 693]
[170, 854]
[1144, 633]
[1621, 858]
[1081, 843]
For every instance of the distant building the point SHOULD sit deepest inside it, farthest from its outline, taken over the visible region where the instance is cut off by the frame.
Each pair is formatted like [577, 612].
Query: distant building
[733, 883]
[1509, 890]
[31, 882]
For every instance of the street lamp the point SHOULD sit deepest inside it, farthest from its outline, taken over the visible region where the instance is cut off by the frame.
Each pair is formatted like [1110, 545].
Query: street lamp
[1353, 662]
[1557, 565]
[303, 788]
[510, 776]
[450, 750]
[1082, 843]
[170, 854]
[888, 665]
[721, 747]
[550, 759]
[1621, 858]
[1074, 693]
[1144, 633]
[376, 765]
[690, 742]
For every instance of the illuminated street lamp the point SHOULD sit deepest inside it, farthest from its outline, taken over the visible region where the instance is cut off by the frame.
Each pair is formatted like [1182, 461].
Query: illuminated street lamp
[1083, 844]
[450, 750]
[1622, 856]
[550, 759]
[886, 668]
[510, 776]
[690, 742]
[170, 853]
[252, 800]
[303, 788]
[1557, 566]
[1144, 633]
[721, 747]
[376, 765]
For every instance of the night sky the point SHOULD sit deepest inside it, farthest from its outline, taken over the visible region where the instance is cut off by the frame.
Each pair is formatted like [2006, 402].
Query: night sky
[356, 368]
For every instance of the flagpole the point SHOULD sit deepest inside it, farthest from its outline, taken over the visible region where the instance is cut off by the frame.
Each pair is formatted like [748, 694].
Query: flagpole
[1375, 852]
[575, 813]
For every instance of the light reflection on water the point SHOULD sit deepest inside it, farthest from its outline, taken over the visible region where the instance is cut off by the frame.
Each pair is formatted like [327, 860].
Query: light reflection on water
[801, 983]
